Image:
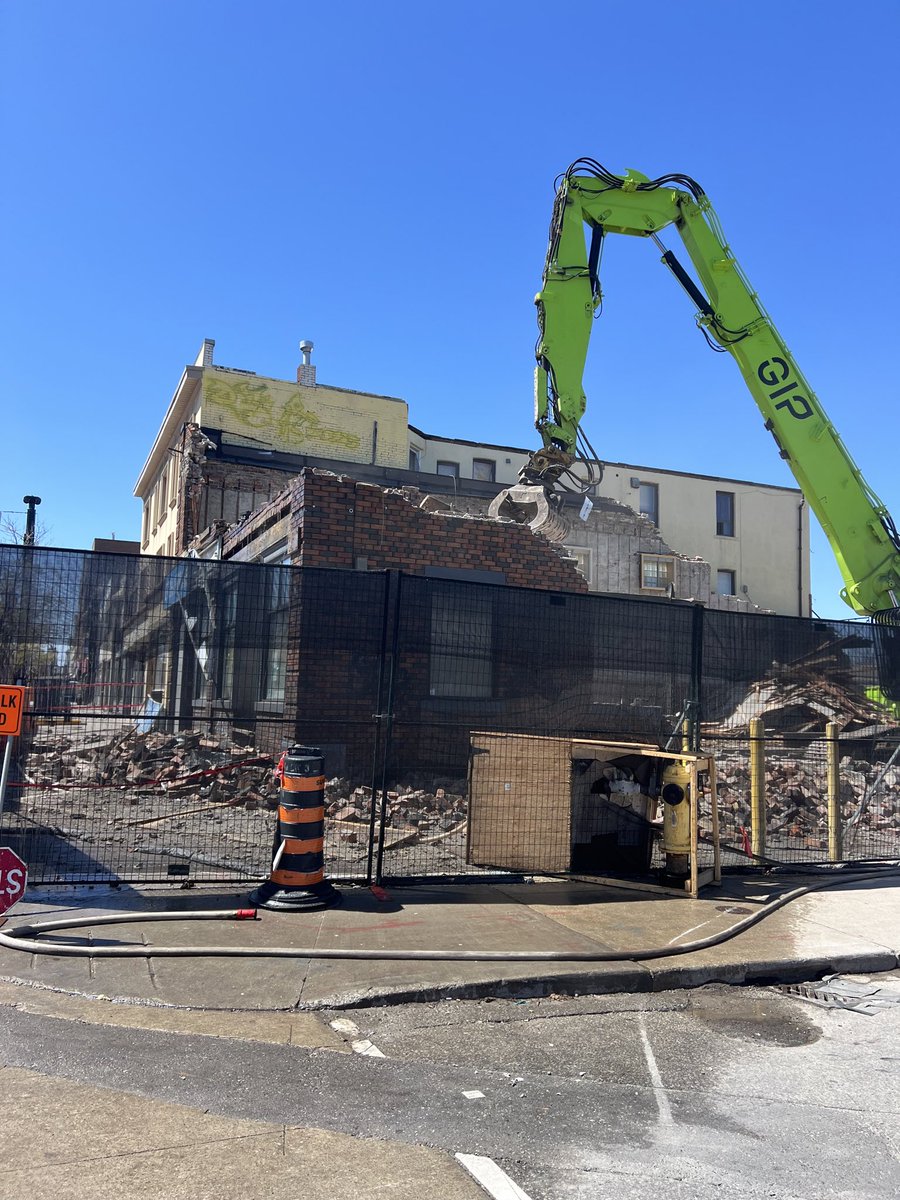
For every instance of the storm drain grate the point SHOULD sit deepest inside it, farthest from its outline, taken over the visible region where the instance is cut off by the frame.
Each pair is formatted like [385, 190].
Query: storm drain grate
[835, 992]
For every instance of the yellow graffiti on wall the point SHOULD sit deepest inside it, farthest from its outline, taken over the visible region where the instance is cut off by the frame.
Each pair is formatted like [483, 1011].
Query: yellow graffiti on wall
[254, 406]
[249, 403]
[297, 423]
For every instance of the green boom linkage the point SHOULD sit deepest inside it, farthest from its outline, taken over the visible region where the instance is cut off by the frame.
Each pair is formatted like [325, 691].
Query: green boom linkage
[857, 524]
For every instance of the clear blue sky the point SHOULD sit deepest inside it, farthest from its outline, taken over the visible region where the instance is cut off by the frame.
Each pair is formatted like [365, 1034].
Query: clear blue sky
[379, 178]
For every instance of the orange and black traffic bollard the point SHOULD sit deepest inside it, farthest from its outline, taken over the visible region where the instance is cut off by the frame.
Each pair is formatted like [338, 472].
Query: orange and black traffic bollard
[297, 881]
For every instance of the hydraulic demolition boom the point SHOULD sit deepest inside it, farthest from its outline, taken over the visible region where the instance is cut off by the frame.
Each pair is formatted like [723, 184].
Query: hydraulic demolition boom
[858, 526]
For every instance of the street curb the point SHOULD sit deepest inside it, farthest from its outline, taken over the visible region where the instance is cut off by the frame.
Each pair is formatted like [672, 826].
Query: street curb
[769, 971]
[633, 978]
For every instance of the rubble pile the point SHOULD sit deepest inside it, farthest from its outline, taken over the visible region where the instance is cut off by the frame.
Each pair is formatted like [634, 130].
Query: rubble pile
[802, 696]
[413, 813]
[183, 765]
[796, 791]
[795, 701]
[190, 765]
[126, 801]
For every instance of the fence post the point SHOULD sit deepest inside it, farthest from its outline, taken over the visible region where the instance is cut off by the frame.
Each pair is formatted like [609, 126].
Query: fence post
[696, 674]
[379, 719]
[757, 787]
[835, 832]
[388, 725]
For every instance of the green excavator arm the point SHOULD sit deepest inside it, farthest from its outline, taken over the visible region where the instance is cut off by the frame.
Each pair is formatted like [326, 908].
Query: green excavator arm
[856, 523]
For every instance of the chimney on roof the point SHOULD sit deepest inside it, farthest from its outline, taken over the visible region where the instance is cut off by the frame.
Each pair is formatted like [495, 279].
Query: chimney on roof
[306, 372]
[205, 357]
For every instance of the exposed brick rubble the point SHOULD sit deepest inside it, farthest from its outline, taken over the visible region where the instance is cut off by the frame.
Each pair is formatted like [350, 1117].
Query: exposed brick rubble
[795, 701]
[803, 695]
[180, 765]
[796, 795]
[414, 814]
[190, 768]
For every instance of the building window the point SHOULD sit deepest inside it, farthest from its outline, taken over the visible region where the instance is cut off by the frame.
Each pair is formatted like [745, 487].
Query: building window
[274, 662]
[415, 459]
[725, 583]
[448, 468]
[276, 555]
[210, 624]
[158, 675]
[462, 635]
[725, 514]
[226, 635]
[484, 468]
[649, 501]
[657, 571]
[582, 560]
[162, 496]
[197, 625]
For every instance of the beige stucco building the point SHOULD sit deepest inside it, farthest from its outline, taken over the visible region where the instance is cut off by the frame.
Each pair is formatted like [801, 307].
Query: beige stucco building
[753, 536]
[258, 416]
[231, 441]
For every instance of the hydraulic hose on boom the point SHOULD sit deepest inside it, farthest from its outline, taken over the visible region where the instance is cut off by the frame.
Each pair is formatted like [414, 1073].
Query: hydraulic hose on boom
[730, 316]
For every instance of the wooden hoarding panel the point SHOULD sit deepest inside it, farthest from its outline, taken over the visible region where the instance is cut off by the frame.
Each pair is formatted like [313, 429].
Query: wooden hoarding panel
[520, 802]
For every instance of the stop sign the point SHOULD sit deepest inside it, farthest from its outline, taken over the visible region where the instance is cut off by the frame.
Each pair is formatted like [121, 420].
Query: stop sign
[13, 877]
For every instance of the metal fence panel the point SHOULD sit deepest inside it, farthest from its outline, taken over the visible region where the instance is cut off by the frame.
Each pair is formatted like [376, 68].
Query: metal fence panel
[480, 657]
[163, 691]
[796, 677]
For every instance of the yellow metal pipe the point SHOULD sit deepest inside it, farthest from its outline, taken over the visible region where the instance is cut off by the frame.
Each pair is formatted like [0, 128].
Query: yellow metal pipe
[757, 787]
[835, 832]
[714, 810]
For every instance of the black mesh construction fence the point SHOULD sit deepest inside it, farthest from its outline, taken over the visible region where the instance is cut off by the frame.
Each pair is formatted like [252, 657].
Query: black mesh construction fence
[458, 721]
[799, 691]
[491, 685]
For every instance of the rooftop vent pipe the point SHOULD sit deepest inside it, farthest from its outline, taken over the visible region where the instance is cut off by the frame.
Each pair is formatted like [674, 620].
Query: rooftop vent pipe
[306, 372]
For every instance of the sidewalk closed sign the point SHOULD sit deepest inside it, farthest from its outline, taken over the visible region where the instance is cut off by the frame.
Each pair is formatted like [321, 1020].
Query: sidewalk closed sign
[12, 701]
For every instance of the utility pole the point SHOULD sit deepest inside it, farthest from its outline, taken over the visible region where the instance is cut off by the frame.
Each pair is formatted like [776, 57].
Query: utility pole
[32, 502]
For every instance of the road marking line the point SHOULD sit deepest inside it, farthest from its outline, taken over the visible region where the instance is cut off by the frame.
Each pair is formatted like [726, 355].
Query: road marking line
[359, 1045]
[693, 929]
[364, 1046]
[659, 1091]
[492, 1178]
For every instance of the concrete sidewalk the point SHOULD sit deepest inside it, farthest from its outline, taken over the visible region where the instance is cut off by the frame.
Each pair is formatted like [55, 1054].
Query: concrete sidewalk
[853, 928]
[71, 1141]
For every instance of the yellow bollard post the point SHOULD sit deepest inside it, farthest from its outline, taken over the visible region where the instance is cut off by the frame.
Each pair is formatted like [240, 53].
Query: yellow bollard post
[835, 832]
[757, 787]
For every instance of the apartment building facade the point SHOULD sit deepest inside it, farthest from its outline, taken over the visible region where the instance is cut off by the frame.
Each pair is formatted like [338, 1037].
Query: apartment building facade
[232, 441]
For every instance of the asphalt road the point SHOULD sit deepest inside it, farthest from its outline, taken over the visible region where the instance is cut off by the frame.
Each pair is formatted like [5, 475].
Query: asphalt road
[737, 1092]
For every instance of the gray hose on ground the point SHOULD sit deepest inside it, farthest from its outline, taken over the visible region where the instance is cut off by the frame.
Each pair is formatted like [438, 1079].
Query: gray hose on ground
[18, 938]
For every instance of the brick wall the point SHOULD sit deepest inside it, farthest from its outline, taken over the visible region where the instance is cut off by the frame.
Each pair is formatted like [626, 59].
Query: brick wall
[336, 623]
[332, 522]
[337, 521]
